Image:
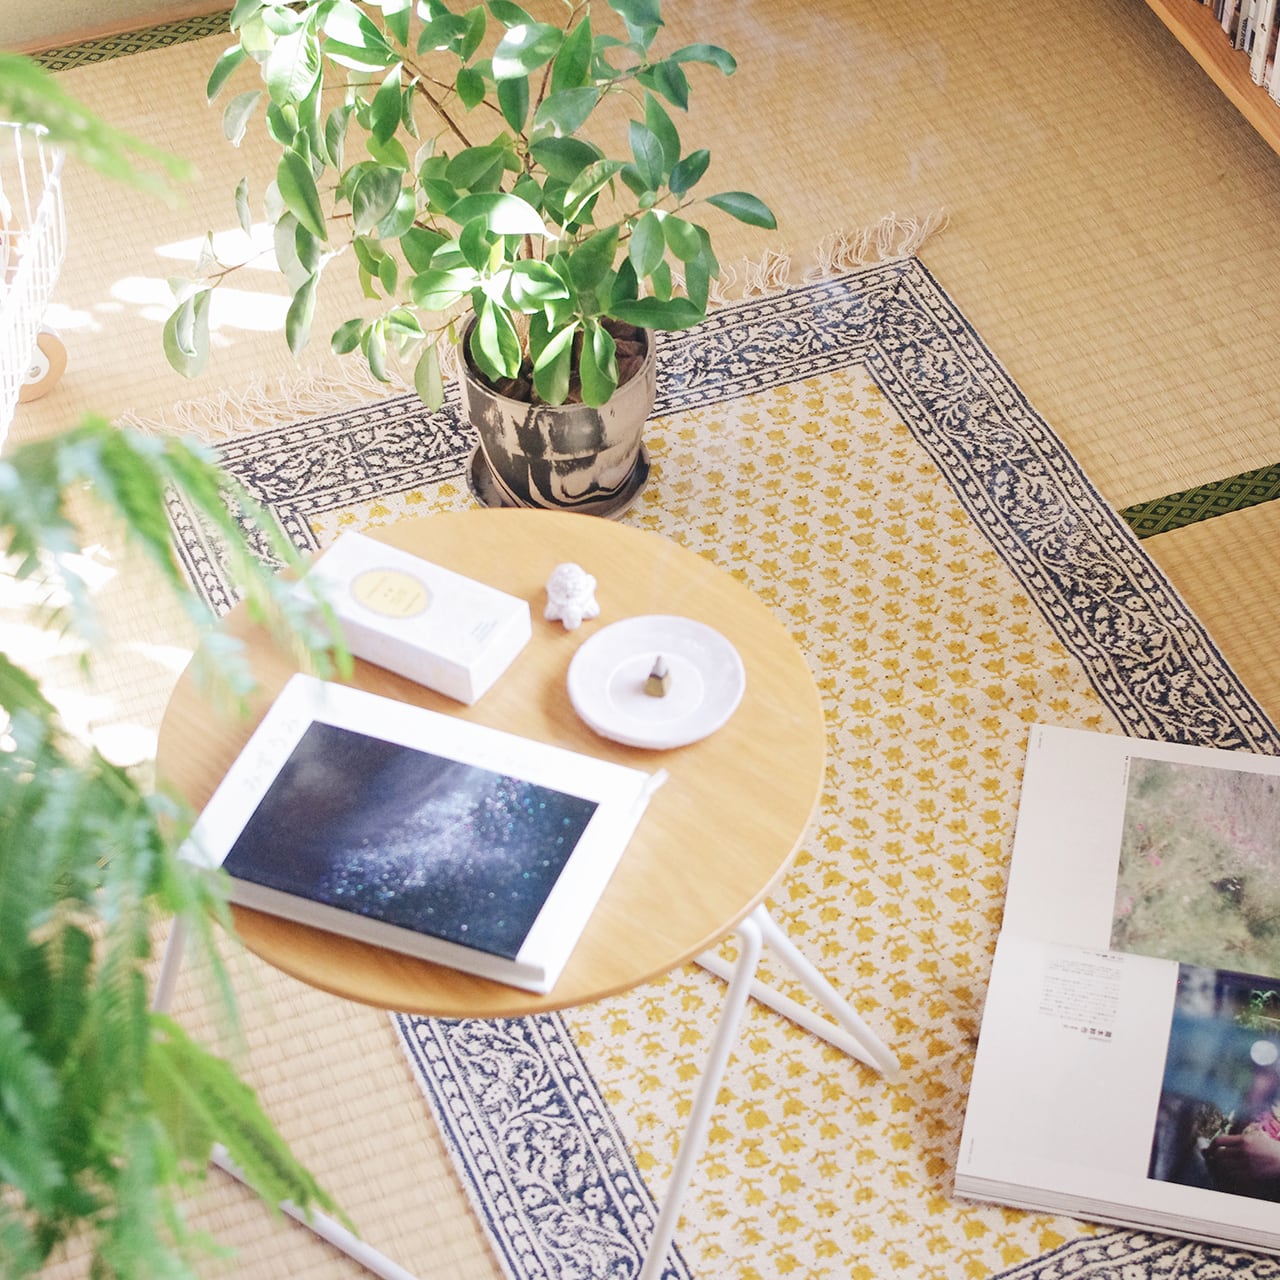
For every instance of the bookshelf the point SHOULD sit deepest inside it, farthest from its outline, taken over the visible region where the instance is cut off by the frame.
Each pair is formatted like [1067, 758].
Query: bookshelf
[1194, 25]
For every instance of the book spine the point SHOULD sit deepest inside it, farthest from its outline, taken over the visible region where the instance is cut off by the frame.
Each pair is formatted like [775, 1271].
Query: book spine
[1264, 42]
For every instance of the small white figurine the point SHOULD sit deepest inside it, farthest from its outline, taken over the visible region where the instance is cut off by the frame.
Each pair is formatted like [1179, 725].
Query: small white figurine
[571, 596]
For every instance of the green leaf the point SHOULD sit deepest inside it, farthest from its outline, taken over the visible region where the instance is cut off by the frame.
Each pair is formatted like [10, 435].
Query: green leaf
[388, 274]
[374, 196]
[503, 214]
[375, 350]
[397, 13]
[237, 114]
[564, 158]
[648, 244]
[590, 183]
[386, 107]
[282, 124]
[284, 237]
[513, 99]
[242, 11]
[551, 369]
[686, 173]
[346, 337]
[657, 313]
[643, 18]
[418, 244]
[243, 214]
[572, 66]
[297, 320]
[335, 133]
[598, 367]
[475, 244]
[509, 14]
[495, 345]
[470, 86]
[307, 249]
[186, 335]
[427, 380]
[400, 219]
[213, 1103]
[533, 284]
[745, 207]
[711, 54]
[670, 81]
[566, 111]
[683, 238]
[590, 262]
[389, 154]
[437, 290]
[660, 124]
[354, 41]
[476, 168]
[226, 64]
[298, 191]
[648, 151]
[293, 69]
[524, 48]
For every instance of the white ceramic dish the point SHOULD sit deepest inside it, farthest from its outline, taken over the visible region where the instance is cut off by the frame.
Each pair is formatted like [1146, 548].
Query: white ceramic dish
[608, 673]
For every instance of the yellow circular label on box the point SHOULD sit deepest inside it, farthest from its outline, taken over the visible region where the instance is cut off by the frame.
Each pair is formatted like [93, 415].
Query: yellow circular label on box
[390, 593]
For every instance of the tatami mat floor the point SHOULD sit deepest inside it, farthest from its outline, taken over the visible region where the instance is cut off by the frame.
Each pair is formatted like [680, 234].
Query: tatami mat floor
[1110, 234]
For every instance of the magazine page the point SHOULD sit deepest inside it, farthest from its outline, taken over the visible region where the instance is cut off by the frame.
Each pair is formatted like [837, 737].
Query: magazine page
[1154, 848]
[1128, 1089]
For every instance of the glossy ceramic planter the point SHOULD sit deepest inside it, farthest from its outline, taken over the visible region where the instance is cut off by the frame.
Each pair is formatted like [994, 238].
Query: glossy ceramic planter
[567, 457]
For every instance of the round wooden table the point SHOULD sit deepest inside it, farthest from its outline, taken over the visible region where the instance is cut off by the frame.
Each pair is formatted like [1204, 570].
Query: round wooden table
[715, 837]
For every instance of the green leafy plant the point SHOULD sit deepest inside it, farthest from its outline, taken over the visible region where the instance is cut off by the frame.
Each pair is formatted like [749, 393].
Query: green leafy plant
[108, 1109]
[451, 153]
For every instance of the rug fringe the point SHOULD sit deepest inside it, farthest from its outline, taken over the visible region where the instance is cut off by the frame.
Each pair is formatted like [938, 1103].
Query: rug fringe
[263, 406]
[892, 237]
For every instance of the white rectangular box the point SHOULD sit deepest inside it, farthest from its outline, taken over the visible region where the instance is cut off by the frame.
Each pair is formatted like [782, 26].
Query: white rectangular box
[440, 628]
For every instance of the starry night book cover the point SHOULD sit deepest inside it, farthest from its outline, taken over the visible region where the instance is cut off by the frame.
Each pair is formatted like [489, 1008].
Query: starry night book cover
[400, 835]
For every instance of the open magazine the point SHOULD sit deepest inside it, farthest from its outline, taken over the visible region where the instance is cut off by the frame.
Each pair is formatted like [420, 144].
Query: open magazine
[1128, 1063]
[420, 832]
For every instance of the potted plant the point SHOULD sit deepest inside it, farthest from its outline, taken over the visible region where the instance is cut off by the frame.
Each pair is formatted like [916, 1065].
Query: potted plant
[108, 1109]
[458, 156]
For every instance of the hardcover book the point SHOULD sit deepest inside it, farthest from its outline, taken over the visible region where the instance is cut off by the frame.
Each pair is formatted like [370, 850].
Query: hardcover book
[419, 831]
[1128, 1062]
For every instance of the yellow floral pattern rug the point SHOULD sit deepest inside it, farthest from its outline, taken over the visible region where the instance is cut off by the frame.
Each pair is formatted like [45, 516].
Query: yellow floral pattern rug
[853, 453]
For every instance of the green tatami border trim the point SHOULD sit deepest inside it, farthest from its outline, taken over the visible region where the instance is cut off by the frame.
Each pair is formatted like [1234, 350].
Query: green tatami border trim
[160, 36]
[1217, 498]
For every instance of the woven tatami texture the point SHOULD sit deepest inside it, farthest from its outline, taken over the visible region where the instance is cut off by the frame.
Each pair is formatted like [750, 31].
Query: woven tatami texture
[1110, 236]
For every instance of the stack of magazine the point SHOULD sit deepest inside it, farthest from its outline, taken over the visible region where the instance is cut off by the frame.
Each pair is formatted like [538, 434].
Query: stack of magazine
[1128, 1064]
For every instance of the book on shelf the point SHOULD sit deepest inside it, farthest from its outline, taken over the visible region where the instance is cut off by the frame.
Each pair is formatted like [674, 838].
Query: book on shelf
[1128, 1061]
[1261, 60]
[419, 831]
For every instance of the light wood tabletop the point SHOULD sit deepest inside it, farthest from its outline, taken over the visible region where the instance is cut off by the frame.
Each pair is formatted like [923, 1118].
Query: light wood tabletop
[716, 836]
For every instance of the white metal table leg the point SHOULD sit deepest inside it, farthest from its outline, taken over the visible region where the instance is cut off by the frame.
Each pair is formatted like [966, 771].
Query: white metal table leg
[851, 1035]
[750, 943]
[322, 1224]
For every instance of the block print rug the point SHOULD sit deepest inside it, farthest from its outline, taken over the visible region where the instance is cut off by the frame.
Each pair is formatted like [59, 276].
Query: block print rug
[852, 452]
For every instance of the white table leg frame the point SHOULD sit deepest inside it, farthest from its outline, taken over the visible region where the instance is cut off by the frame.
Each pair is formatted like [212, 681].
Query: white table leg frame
[322, 1224]
[851, 1035]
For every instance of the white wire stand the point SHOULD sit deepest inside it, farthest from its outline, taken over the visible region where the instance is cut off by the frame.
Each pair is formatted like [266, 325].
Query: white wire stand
[33, 242]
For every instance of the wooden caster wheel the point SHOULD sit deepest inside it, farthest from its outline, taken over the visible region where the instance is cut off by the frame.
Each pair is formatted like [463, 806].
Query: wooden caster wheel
[48, 361]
